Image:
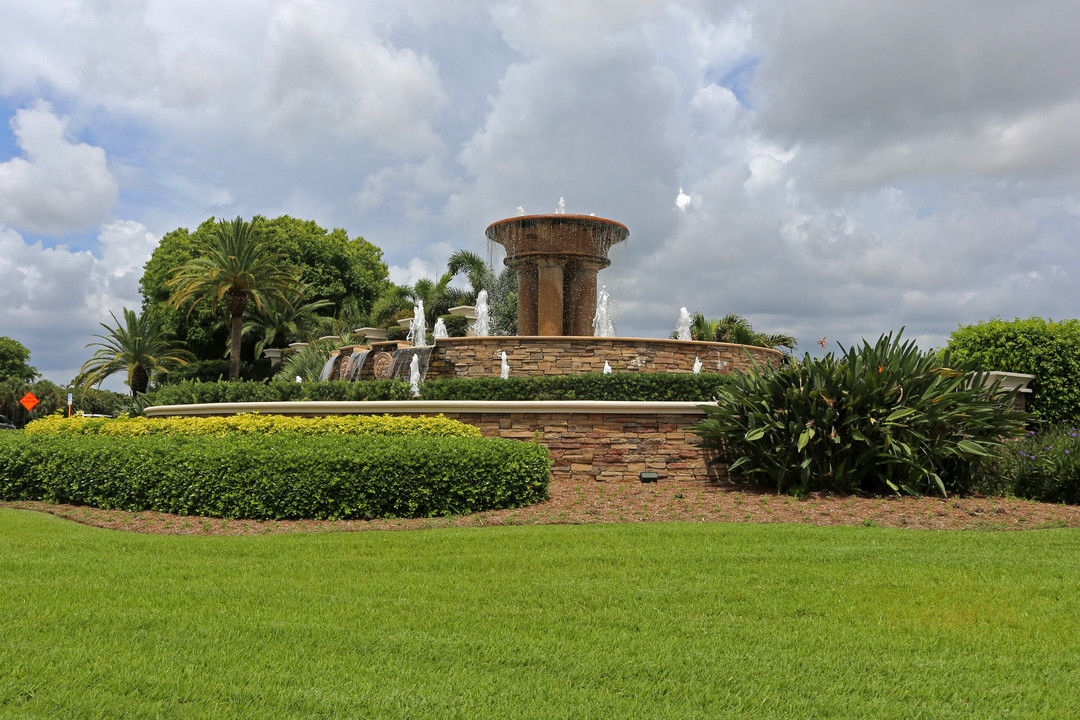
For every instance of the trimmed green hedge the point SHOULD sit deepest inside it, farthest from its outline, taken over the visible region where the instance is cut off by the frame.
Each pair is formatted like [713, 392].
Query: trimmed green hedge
[1046, 349]
[191, 393]
[641, 387]
[276, 476]
[254, 423]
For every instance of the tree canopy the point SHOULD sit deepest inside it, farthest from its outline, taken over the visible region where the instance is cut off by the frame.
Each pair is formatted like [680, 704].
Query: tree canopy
[13, 360]
[329, 264]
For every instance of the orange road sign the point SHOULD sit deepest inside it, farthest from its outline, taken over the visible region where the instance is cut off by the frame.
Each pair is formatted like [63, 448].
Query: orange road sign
[28, 401]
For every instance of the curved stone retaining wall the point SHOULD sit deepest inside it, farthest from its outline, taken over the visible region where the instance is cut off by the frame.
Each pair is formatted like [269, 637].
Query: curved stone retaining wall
[589, 440]
[530, 356]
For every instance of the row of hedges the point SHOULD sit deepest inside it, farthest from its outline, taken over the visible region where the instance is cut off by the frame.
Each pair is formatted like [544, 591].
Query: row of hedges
[355, 425]
[286, 475]
[222, 391]
[641, 387]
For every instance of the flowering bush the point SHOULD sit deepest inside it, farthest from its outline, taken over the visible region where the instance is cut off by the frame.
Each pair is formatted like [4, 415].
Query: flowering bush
[1044, 466]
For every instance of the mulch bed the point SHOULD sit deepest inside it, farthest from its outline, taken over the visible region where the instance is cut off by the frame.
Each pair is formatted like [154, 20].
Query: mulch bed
[575, 503]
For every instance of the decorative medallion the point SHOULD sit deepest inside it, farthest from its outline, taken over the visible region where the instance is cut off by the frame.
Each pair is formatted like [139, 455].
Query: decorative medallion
[343, 368]
[384, 366]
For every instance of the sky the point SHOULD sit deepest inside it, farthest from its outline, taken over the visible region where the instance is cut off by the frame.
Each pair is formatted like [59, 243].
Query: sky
[832, 170]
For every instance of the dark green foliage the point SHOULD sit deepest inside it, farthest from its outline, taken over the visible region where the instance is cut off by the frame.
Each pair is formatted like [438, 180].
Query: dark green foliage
[1043, 466]
[456, 325]
[879, 418]
[396, 332]
[188, 392]
[641, 387]
[275, 477]
[13, 360]
[1046, 349]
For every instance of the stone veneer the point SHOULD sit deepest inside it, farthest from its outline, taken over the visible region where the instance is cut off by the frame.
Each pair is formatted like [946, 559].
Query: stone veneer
[533, 356]
[589, 441]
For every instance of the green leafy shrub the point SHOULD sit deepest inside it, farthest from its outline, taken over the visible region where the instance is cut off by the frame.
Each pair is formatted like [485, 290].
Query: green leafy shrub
[396, 332]
[456, 325]
[386, 425]
[188, 393]
[641, 387]
[879, 418]
[1046, 349]
[285, 475]
[1043, 466]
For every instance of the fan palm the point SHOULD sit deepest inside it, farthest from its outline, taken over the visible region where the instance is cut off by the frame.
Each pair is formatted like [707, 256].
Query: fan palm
[279, 321]
[238, 269]
[138, 346]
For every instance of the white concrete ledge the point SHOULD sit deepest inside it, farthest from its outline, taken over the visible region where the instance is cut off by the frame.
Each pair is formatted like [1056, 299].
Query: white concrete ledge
[396, 407]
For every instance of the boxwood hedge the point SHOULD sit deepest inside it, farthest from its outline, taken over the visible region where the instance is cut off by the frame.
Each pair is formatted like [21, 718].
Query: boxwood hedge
[279, 476]
[641, 387]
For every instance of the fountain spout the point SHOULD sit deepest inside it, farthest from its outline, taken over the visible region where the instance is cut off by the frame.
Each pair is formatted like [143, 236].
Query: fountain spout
[414, 374]
[682, 328]
[418, 326]
[482, 324]
[440, 330]
[504, 370]
[602, 325]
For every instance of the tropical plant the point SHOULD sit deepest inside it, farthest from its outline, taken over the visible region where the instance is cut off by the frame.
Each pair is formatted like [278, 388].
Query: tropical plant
[279, 322]
[882, 417]
[138, 347]
[305, 363]
[734, 328]
[1043, 466]
[235, 268]
[501, 288]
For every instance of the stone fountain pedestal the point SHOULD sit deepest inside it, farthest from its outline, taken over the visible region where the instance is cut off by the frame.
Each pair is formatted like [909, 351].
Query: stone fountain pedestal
[557, 258]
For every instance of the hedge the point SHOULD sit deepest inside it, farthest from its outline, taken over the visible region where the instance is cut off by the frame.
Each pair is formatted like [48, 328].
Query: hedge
[1046, 349]
[641, 387]
[280, 476]
[190, 393]
[390, 425]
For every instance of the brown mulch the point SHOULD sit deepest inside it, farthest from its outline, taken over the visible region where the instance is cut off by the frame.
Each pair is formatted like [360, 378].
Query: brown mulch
[578, 503]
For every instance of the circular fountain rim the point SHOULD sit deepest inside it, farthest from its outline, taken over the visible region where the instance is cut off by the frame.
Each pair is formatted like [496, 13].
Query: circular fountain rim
[557, 216]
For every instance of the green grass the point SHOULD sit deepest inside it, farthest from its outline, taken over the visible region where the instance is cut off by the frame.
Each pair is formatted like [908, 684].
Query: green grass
[606, 621]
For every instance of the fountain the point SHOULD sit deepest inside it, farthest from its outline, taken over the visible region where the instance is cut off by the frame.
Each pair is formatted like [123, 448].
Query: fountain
[414, 374]
[697, 365]
[557, 258]
[481, 327]
[504, 368]
[602, 325]
[440, 330]
[418, 326]
[682, 327]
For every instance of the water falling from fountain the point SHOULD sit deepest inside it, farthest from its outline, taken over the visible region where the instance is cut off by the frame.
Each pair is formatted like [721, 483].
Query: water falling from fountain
[440, 330]
[414, 374]
[418, 326]
[683, 326]
[482, 324]
[328, 368]
[504, 371]
[602, 325]
[697, 365]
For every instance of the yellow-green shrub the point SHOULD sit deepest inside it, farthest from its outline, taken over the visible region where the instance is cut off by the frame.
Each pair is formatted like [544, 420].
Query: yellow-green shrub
[255, 423]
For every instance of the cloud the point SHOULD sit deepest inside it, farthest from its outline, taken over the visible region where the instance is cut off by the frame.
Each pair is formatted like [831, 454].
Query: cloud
[59, 186]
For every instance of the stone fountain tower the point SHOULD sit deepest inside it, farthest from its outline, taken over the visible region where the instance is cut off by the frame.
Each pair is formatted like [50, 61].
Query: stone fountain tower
[557, 258]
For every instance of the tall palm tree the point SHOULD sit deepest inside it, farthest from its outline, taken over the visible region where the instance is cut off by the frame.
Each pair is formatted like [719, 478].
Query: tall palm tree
[238, 269]
[138, 346]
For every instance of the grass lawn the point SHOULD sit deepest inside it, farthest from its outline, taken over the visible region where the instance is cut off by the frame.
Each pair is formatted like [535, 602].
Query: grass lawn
[671, 620]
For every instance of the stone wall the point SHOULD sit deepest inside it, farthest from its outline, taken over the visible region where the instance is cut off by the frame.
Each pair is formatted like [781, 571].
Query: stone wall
[607, 447]
[533, 356]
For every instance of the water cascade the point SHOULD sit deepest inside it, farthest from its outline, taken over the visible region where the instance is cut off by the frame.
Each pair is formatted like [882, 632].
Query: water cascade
[328, 367]
[683, 326]
[481, 326]
[602, 325]
[357, 364]
[403, 358]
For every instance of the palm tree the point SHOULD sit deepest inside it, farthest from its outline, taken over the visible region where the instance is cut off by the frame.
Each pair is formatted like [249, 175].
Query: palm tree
[734, 328]
[475, 268]
[139, 346]
[235, 268]
[279, 322]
